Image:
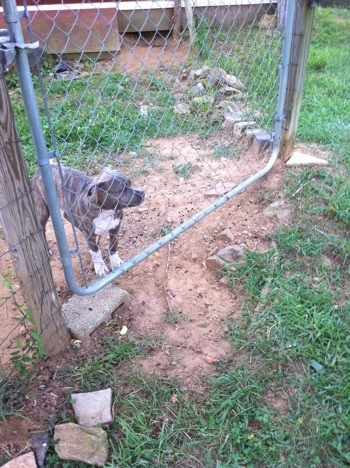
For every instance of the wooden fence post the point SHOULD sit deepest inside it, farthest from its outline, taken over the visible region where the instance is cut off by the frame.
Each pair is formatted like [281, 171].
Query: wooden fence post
[302, 31]
[25, 240]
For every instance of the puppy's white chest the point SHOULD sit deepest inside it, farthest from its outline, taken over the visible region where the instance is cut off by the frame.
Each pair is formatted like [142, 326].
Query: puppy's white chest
[105, 222]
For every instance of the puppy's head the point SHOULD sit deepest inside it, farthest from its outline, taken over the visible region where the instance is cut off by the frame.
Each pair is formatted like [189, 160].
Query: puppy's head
[113, 191]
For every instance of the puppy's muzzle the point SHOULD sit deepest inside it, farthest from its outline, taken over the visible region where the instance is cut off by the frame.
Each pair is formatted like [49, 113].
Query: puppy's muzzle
[137, 198]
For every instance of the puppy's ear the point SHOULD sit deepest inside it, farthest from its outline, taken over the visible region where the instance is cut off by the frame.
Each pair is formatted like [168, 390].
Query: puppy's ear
[92, 192]
[97, 189]
[106, 174]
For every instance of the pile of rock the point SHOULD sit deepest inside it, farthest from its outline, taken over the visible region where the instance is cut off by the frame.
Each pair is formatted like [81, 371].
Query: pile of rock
[212, 86]
[85, 442]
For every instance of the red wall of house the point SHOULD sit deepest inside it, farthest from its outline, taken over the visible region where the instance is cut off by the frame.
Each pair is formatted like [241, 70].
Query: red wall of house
[52, 2]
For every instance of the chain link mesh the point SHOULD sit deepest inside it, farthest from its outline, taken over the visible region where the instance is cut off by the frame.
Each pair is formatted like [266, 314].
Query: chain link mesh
[182, 100]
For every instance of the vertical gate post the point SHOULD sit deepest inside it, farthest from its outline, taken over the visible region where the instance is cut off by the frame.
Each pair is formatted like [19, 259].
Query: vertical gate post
[26, 242]
[302, 31]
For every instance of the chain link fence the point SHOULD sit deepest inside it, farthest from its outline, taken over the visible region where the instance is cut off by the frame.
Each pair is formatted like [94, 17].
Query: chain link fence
[188, 113]
[181, 98]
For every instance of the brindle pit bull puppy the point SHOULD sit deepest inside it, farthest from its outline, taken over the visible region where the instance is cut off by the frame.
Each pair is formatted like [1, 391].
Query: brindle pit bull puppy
[95, 207]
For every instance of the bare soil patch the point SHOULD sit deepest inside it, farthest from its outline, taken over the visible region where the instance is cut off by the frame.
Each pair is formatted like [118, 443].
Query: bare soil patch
[177, 305]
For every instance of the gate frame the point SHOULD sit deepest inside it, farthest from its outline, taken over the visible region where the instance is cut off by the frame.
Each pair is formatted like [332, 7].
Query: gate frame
[16, 35]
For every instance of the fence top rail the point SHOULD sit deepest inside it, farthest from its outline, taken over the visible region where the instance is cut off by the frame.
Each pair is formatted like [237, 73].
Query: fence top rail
[143, 5]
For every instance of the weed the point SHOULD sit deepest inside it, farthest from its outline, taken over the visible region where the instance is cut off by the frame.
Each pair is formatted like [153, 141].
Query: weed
[225, 151]
[203, 38]
[27, 352]
[12, 79]
[161, 231]
[172, 317]
[183, 170]
[30, 348]
[101, 370]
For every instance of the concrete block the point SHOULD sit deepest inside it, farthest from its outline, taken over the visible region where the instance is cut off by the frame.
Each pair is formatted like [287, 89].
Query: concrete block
[83, 314]
[250, 135]
[262, 141]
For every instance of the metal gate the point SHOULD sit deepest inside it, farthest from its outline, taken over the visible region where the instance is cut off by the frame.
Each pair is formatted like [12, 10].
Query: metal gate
[185, 99]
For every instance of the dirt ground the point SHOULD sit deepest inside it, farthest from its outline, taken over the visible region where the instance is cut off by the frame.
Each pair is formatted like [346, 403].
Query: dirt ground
[176, 302]
[187, 341]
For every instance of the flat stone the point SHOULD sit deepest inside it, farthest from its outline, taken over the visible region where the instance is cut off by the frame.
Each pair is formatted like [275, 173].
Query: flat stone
[229, 91]
[240, 127]
[93, 408]
[83, 314]
[216, 76]
[301, 159]
[249, 135]
[226, 236]
[213, 263]
[198, 100]
[268, 21]
[279, 209]
[23, 461]
[230, 106]
[182, 109]
[198, 89]
[200, 73]
[232, 254]
[85, 444]
[231, 118]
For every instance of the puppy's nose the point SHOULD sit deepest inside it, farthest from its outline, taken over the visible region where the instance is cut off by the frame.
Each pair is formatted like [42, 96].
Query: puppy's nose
[137, 198]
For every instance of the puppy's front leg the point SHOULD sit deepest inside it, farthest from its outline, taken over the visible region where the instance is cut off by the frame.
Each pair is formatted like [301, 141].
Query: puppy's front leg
[114, 257]
[100, 267]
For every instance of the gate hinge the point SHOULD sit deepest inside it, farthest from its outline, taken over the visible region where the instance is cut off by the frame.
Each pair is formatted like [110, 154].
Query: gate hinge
[8, 50]
[280, 118]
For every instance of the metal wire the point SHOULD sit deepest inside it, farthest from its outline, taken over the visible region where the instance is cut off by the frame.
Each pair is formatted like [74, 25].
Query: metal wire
[212, 91]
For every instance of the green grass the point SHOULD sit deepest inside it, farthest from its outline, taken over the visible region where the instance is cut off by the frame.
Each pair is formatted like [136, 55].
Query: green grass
[327, 88]
[285, 400]
[103, 115]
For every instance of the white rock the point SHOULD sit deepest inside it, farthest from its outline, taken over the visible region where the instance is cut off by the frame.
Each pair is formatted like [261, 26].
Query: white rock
[231, 255]
[23, 461]
[302, 159]
[93, 408]
[182, 109]
[233, 81]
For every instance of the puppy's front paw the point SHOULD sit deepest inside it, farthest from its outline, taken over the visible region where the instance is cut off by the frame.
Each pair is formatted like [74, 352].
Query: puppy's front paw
[115, 260]
[100, 267]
